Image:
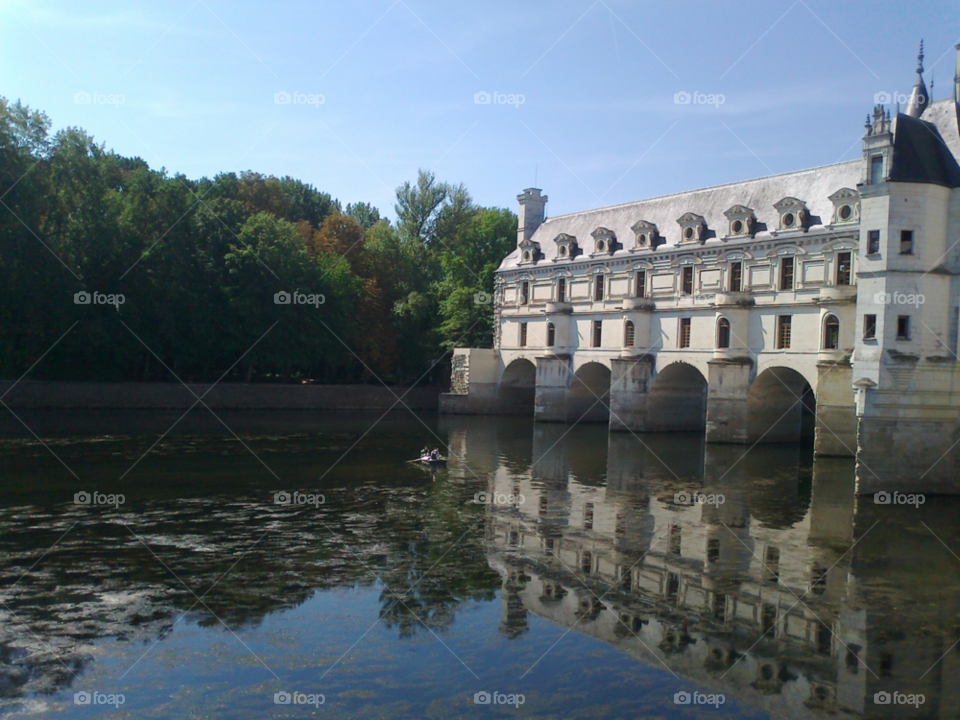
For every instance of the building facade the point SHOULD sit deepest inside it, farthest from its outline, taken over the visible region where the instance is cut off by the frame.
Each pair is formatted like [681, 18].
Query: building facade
[827, 295]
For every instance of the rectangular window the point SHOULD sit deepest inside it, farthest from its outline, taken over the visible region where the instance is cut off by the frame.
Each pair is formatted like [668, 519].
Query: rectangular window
[524, 293]
[676, 536]
[562, 290]
[771, 564]
[843, 268]
[713, 550]
[736, 277]
[876, 169]
[720, 607]
[783, 331]
[687, 287]
[598, 288]
[597, 333]
[543, 505]
[551, 335]
[906, 242]
[903, 327]
[869, 327]
[523, 334]
[683, 339]
[586, 562]
[588, 516]
[873, 242]
[786, 273]
[641, 289]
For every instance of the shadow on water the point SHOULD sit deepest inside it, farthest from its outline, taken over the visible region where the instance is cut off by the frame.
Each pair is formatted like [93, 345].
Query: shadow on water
[755, 573]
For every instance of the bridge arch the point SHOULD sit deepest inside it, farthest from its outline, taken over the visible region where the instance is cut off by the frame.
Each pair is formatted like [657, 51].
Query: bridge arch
[677, 399]
[781, 406]
[517, 387]
[588, 397]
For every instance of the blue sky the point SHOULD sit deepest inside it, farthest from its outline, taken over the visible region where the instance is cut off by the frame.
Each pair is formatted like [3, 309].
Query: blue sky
[598, 124]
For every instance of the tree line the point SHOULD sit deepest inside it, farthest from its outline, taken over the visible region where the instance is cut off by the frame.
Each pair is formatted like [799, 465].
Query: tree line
[202, 267]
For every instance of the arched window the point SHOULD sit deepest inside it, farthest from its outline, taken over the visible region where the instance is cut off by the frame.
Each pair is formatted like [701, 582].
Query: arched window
[629, 334]
[551, 335]
[723, 333]
[831, 332]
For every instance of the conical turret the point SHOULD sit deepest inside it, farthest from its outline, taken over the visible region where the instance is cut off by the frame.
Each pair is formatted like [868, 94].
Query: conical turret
[919, 98]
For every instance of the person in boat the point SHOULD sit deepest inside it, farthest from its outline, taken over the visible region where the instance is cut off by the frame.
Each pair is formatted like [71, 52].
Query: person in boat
[424, 452]
[434, 454]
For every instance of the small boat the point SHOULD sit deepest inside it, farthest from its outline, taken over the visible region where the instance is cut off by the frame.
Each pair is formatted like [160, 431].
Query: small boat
[427, 460]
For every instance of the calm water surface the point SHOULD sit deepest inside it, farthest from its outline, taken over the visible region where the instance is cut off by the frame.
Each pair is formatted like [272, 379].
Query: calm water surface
[587, 585]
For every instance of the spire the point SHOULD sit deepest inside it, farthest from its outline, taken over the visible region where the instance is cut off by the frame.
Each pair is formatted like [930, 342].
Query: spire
[956, 77]
[919, 99]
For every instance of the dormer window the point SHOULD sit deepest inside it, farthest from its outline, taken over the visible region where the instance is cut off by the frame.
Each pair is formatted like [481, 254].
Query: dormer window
[846, 206]
[645, 234]
[566, 246]
[529, 252]
[741, 219]
[793, 214]
[604, 241]
[692, 228]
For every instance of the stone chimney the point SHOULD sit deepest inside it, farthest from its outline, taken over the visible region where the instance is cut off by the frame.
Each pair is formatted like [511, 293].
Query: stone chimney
[531, 215]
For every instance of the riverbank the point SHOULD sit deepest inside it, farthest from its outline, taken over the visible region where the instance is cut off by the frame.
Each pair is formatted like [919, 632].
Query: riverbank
[39, 395]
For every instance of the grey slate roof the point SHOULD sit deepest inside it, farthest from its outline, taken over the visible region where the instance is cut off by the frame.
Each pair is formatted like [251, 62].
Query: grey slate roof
[926, 149]
[813, 187]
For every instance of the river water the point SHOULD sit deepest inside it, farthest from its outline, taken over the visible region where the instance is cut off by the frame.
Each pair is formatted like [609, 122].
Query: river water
[557, 571]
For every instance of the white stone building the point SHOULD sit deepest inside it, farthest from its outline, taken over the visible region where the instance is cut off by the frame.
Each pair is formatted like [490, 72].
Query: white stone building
[742, 308]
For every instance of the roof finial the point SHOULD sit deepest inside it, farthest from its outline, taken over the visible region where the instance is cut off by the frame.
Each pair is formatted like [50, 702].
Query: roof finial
[919, 99]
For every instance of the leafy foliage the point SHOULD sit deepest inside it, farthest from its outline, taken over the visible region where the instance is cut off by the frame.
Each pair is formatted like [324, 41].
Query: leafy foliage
[200, 261]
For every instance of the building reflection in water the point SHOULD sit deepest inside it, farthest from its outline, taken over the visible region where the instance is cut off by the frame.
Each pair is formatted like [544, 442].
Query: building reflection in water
[793, 595]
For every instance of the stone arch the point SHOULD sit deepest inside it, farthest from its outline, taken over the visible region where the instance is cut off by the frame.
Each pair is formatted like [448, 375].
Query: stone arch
[517, 386]
[588, 398]
[677, 399]
[781, 406]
